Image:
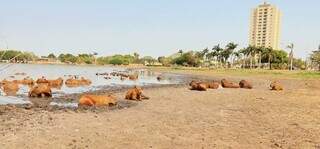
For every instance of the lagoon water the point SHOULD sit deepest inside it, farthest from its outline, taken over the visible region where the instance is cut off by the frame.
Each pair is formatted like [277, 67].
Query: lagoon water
[54, 71]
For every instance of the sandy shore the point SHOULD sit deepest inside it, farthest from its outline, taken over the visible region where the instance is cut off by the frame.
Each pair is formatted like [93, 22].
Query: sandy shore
[176, 117]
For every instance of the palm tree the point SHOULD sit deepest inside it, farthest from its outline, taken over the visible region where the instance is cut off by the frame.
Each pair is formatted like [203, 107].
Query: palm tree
[259, 50]
[211, 55]
[217, 52]
[246, 53]
[227, 52]
[268, 52]
[203, 53]
[291, 46]
[236, 54]
[252, 52]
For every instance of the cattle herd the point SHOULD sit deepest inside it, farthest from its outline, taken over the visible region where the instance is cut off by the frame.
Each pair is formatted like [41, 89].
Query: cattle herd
[204, 85]
[42, 87]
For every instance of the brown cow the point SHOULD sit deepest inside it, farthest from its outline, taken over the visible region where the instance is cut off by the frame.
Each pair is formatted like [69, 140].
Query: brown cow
[228, 84]
[77, 82]
[135, 94]
[133, 77]
[57, 83]
[198, 86]
[276, 86]
[97, 100]
[212, 85]
[40, 90]
[10, 88]
[245, 84]
[25, 81]
[42, 80]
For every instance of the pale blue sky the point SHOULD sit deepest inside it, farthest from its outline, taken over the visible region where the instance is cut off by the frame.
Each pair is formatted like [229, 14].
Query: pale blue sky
[150, 27]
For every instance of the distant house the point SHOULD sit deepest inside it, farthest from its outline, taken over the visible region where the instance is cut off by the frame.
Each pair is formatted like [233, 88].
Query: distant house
[45, 60]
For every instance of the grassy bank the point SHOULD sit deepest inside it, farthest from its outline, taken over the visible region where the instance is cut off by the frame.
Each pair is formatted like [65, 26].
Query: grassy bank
[242, 72]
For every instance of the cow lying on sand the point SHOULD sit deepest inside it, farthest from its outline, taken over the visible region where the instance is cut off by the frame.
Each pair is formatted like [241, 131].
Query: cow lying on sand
[198, 86]
[97, 100]
[203, 86]
[40, 90]
[245, 84]
[276, 86]
[228, 84]
[212, 84]
[135, 94]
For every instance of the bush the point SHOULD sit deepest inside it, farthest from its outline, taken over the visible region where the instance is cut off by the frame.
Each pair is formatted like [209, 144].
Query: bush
[116, 61]
[187, 59]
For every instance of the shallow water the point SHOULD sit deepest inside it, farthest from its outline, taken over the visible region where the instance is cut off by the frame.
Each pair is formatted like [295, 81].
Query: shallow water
[54, 71]
[5, 100]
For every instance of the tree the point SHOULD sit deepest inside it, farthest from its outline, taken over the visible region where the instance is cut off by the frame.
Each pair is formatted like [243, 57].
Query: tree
[249, 51]
[267, 55]
[276, 57]
[216, 53]
[245, 52]
[259, 50]
[291, 46]
[26, 56]
[51, 55]
[315, 57]
[67, 58]
[299, 63]
[202, 54]
[187, 59]
[116, 61]
[14, 56]
[237, 56]
[227, 52]
[165, 61]
[136, 57]
[85, 58]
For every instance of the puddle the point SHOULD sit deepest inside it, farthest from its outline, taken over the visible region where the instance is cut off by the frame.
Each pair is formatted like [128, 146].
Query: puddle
[64, 105]
[5, 100]
[122, 104]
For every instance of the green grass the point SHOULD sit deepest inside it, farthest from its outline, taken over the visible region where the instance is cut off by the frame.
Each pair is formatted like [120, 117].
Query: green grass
[242, 72]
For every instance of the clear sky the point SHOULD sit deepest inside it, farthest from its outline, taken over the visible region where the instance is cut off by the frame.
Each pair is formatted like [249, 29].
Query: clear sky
[150, 27]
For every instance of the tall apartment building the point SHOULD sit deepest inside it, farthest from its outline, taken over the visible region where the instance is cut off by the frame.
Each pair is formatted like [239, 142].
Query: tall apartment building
[265, 26]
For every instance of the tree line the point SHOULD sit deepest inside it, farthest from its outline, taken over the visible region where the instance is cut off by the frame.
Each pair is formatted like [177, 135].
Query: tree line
[218, 57]
[228, 56]
[17, 56]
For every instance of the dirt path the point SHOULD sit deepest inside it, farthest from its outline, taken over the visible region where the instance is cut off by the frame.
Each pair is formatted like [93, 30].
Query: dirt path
[176, 117]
